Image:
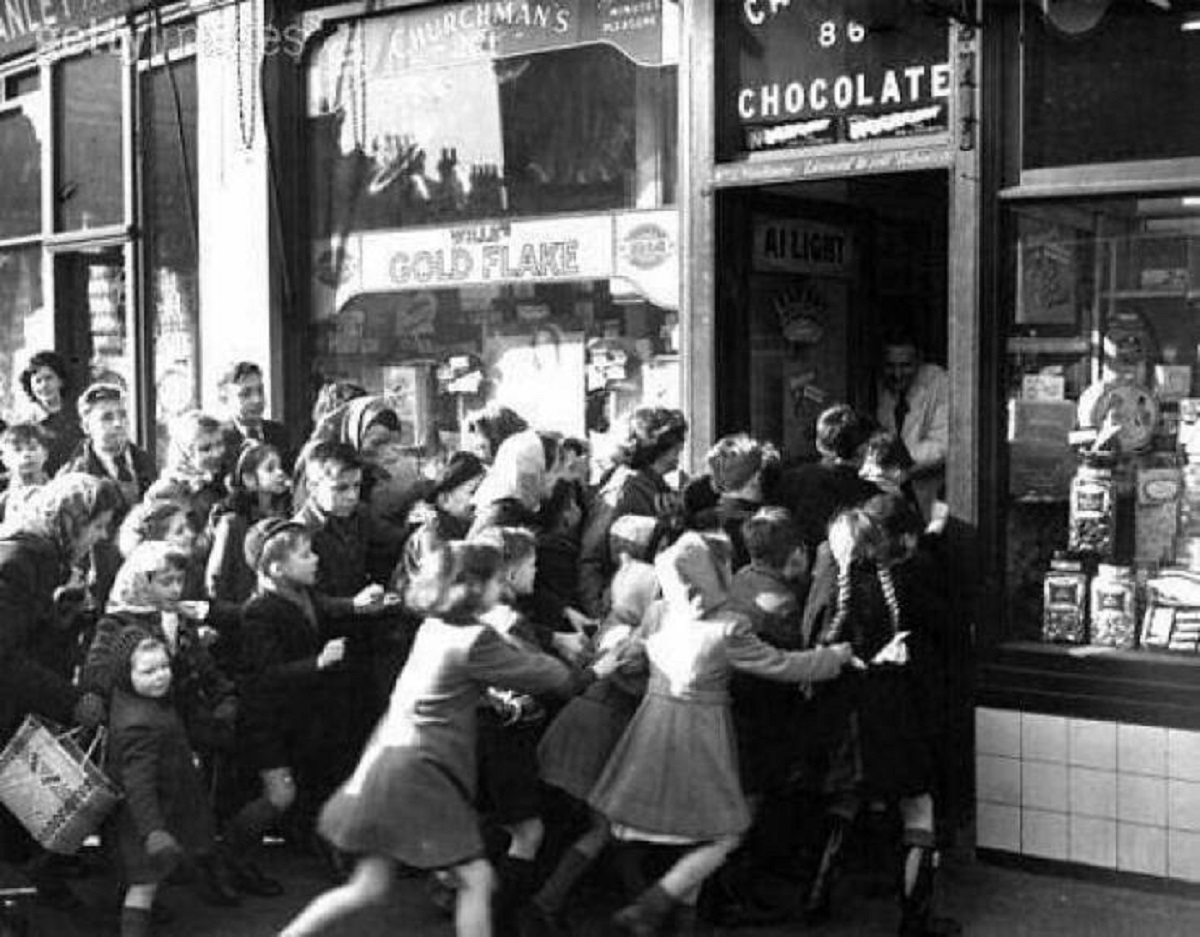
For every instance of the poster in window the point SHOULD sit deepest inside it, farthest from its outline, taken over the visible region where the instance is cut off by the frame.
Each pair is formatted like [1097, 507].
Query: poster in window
[1046, 270]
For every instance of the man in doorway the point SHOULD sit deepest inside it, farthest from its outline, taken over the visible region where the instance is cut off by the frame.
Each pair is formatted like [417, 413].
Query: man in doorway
[914, 403]
[244, 401]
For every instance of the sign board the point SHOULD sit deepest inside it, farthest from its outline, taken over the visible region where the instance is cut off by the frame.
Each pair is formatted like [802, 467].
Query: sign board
[469, 30]
[26, 24]
[640, 247]
[797, 73]
[799, 246]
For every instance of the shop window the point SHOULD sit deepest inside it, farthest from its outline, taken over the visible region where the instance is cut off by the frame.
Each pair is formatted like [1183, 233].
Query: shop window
[1103, 422]
[21, 139]
[169, 182]
[23, 326]
[89, 176]
[490, 212]
[1109, 81]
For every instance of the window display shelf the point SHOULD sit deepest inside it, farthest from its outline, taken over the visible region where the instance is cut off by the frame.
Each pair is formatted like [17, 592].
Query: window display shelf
[1141, 687]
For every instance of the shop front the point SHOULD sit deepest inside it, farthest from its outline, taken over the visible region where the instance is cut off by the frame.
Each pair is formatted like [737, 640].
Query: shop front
[493, 211]
[118, 146]
[1088, 718]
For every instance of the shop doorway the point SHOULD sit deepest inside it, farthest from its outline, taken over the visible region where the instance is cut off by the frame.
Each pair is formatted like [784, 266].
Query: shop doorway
[810, 277]
[92, 328]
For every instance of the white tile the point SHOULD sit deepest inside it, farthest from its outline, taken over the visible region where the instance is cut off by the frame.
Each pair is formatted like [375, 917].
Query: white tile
[1093, 841]
[998, 780]
[1142, 800]
[998, 826]
[1141, 849]
[1044, 834]
[1183, 754]
[1044, 786]
[998, 732]
[1183, 855]
[1093, 744]
[1183, 805]
[1142, 750]
[1043, 738]
[1092, 793]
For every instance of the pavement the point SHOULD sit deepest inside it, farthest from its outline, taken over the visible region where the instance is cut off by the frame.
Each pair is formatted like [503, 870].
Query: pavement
[988, 900]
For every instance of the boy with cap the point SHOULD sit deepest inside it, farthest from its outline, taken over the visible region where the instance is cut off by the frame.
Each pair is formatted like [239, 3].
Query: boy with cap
[293, 688]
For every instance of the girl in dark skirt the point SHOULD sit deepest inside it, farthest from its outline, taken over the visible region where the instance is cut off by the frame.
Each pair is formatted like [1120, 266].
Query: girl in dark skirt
[411, 799]
[873, 589]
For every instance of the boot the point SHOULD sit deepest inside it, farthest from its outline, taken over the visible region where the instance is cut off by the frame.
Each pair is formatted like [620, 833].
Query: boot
[136, 922]
[817, 907]
[516, 882]
[916, 898]
[552, 896]
[249, 879]
[645, 917]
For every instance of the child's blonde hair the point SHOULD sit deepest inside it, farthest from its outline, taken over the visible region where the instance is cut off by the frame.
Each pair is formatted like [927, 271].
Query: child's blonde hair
[452, 582]
[132, 590]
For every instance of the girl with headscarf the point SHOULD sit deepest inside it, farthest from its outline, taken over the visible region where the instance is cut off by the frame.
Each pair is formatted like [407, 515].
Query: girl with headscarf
[146, 595]
[41, 591]
[195, 465]
[515, 485]
[673, 776]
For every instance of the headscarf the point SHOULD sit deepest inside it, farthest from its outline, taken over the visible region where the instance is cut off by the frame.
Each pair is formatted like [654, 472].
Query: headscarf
[517, 472]
[64, 506]
[694, 571]
[634, 587]
[180, 464]
[133, 589]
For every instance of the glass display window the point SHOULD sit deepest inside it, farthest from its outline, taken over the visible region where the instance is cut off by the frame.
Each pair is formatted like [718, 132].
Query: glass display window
[89, 173]
[492, 212]
[1103, 402]
[1080, 64]
[24, 325]
[22, 137]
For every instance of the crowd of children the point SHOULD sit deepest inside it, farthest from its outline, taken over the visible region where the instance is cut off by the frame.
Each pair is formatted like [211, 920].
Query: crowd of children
[494, 671]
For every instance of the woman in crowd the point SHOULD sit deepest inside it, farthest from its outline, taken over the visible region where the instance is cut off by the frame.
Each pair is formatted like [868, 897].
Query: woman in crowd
[47, 387]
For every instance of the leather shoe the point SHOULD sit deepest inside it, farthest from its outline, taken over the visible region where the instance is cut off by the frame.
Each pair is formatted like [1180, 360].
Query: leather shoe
[215, 886]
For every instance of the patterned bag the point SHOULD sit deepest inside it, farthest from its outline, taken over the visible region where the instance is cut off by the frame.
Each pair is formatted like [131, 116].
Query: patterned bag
[53, 786]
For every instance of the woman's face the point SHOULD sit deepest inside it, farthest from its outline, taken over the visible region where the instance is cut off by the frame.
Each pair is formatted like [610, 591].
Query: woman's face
[180, 533]
[269, 476]
[669, 460]
[208, 451]
[150, 672]
[459, 502]
[521, 576]
[381, 446]
[47, 387]
[93, 532]
[166, 587]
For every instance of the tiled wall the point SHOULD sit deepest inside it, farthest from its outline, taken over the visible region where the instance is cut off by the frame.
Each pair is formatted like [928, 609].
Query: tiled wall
[1107, 794]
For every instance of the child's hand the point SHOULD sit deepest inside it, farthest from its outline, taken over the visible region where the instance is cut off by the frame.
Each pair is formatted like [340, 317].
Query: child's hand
[573, 647]
[208, 635]
[195, 609]
[606, 665]
[332, 653]
[845, 652]
[579, 621]
[370, 598]
[895, 651]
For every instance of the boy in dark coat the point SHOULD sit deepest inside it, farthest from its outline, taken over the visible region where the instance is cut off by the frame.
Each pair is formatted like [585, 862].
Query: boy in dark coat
[295, 694]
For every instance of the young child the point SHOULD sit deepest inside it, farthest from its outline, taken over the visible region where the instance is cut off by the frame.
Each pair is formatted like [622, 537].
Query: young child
[146, 595]
[673, 775]
[871, 588]
[770, 590]
[452, 499]
[412, 796]
[511, 724]
[258, 488]
[293, 691]
[579, 741]
[195, 463]
[164, 815]
[737, 466]
[23, 452]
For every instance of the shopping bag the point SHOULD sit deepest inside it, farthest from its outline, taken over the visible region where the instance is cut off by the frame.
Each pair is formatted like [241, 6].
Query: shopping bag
[53, 786]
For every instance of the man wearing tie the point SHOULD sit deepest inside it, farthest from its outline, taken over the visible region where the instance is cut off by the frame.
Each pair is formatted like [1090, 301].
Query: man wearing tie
[914, 403]
[244, 399]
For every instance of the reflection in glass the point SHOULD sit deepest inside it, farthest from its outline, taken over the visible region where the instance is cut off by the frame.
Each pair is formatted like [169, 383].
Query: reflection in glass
[21, 177]
[23, 326]
[169, 180]
[88, 178]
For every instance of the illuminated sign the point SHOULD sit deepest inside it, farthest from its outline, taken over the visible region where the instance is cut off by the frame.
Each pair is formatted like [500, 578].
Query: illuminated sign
[796, 73]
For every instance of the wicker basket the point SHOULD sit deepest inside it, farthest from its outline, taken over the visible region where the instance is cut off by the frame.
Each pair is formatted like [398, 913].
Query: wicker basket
[53, 786]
